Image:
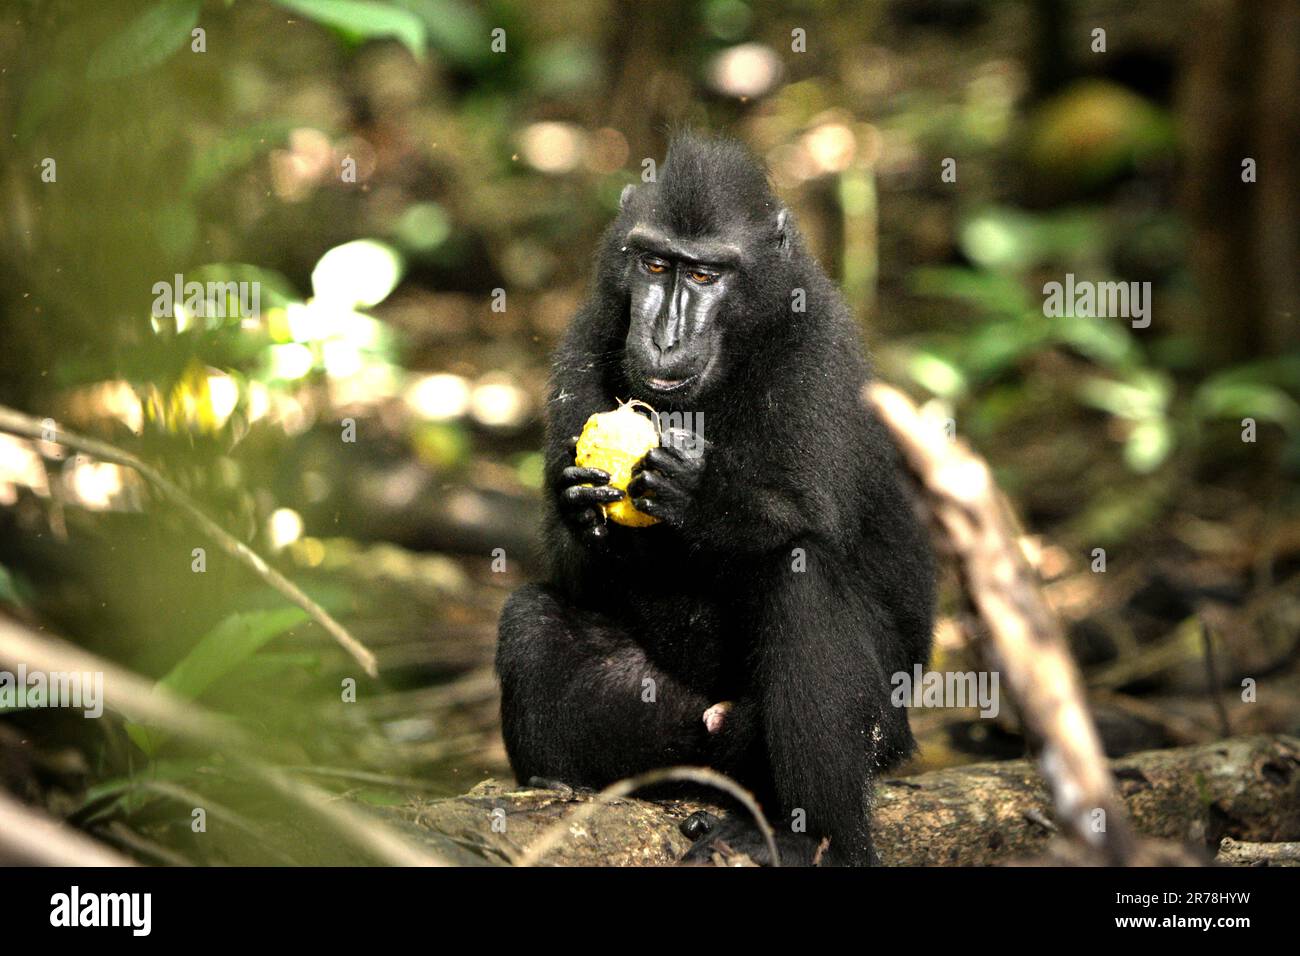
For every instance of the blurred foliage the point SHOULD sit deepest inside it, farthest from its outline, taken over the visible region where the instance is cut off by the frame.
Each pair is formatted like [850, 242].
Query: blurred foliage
[233, 641]
[1008, 248]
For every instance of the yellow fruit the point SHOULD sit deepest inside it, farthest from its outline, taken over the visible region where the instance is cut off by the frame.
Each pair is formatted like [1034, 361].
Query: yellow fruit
[614, 442]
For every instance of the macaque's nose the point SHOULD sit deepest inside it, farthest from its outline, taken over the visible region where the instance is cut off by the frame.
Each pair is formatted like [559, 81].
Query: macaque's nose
[668, 326]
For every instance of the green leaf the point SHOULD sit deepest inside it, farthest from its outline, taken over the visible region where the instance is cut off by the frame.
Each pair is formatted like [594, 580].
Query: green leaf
[234, 640]
[9, 591]
[273, 288]
[998, 239]
[1104, 341]
[936, 373]
[1008, 239]
[364, 20]
[236, 149]
[126, 793]
[991, 292]
[1145, 395]
[1280, 370]
[1233, 399]
[456, 30]
[146, 41]
[1148, 445]
[993, 348]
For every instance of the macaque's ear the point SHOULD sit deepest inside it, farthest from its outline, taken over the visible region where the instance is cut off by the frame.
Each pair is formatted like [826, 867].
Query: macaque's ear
[783, 228]
[625, 195]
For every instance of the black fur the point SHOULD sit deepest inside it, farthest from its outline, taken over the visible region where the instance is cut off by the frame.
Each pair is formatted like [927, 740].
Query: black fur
[707, 604]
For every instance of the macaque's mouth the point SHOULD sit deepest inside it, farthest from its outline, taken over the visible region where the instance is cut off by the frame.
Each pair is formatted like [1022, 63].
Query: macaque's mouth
[669, 384]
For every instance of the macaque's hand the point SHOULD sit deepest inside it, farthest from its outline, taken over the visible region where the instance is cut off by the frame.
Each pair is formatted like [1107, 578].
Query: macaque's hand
[581, 493]
[666, 480]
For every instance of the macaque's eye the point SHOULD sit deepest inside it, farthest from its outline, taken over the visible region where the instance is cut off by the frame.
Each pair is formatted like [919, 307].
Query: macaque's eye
[653, 265]
[701, 278]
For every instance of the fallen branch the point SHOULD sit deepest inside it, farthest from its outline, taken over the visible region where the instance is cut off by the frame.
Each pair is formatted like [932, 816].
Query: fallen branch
[623, 788]
[1024, 637]
[16, 423]
[1237, 853]
[1246, 788]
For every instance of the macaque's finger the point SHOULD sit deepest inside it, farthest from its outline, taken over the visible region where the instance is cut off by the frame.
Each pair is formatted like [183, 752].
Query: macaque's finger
[664, 461]
[647, 481]
[599, 495]
[573, 475]
[654, 507]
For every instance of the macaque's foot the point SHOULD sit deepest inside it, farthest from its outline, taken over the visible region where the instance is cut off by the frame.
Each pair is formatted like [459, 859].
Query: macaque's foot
[699, 824]
[716, 716]
[737, 840]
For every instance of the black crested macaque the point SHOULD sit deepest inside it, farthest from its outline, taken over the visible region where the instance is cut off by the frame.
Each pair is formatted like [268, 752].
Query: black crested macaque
[755, 628]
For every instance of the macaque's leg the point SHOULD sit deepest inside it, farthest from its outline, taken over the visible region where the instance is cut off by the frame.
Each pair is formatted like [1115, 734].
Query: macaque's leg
[581, 703]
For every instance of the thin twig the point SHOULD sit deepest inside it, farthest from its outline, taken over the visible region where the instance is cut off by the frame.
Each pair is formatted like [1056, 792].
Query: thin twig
[142, 846]
[534, 852]
[366, 776]
[16, 423]
[1212, 678]
[29, 836]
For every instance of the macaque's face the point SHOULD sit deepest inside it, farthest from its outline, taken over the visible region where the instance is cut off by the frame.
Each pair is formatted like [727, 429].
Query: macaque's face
[679, 292]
